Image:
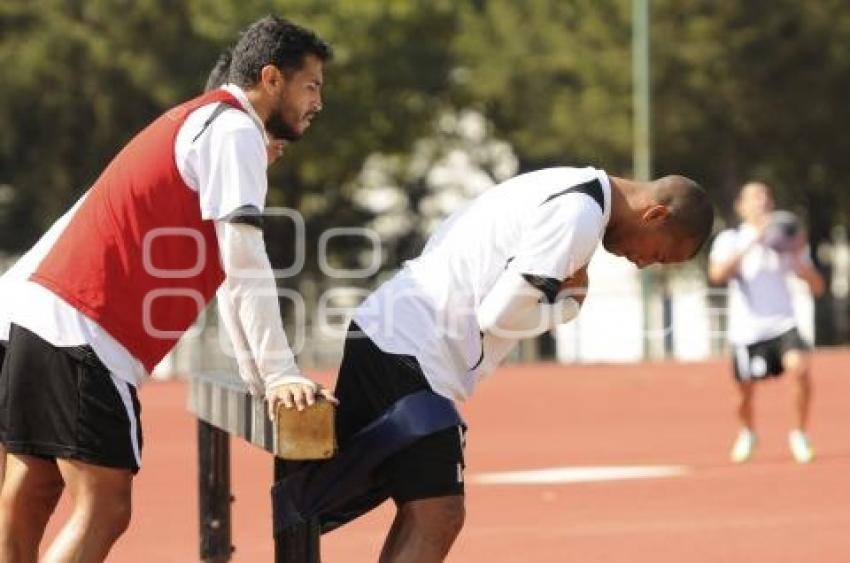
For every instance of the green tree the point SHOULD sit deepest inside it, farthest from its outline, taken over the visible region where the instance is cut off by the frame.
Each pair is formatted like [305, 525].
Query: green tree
[80, 78]
[84, 76]
[554, 77]
[755, 89]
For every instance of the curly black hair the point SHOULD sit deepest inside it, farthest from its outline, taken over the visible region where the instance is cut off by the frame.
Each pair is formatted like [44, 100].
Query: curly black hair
[273, 41]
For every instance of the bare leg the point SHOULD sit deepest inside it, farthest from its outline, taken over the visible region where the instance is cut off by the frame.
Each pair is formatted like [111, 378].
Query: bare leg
[424, 530]
[101, 513]
[2, 464]
[797, 365]
[31, 489]
[745, 406]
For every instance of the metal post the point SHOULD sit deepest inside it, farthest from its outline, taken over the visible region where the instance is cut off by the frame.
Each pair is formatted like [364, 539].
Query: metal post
[298, 544]
[641, 90]
[667, 318]
[642, 142]
[214, 493]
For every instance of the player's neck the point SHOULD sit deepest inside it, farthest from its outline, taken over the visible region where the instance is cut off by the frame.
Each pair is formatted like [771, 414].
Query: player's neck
[756, 222]
[259, 102]
[628, 198]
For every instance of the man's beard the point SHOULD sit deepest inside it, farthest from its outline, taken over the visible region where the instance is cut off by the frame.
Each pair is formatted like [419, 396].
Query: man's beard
[280, 129]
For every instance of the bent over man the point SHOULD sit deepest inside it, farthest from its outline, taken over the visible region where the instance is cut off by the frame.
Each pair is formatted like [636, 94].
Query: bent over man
[497, 270]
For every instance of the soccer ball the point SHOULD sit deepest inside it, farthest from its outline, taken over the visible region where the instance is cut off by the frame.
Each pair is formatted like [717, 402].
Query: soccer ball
[782, 231]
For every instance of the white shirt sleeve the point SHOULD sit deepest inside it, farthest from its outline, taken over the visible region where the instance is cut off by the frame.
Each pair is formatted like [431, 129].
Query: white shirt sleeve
[232, 172]
[514, 308]
[497, 344]
[224, 160]
[724, 247]
[228, 316]
[249, 310]
[559, 238]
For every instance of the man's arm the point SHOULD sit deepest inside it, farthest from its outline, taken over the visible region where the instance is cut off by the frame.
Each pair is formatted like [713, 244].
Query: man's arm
[807, 272]
[538, 289]
[227, 163]
[229, 318]
[252, 316]
[724, 263]
[516, 308]
[803, 268]
[721, 272]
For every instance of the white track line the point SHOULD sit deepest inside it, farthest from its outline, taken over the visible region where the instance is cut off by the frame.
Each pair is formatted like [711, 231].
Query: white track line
[589, 474]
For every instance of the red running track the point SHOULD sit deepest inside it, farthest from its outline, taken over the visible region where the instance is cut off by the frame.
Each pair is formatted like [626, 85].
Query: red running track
[545, 415]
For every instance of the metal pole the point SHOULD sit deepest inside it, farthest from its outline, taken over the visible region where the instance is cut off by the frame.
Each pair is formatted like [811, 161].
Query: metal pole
[641, 90]
[298, 544]
[214, 493]
[642, 142]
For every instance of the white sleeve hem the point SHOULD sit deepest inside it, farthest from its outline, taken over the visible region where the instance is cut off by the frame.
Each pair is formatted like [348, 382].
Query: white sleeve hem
[277, 380]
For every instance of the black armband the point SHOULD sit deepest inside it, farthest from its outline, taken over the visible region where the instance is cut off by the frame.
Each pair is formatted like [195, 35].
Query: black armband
[245, 215]
[549, 286]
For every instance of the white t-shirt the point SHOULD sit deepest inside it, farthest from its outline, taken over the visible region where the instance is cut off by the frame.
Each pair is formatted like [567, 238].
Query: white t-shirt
[226, 165]
[533, 224]
[760, 304]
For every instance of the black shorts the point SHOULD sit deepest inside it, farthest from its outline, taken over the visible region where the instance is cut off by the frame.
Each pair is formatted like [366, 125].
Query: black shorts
[764, 359]
[63, 403]
[369, 382]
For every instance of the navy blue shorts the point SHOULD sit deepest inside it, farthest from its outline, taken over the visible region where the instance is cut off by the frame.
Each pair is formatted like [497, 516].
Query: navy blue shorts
[369, 381]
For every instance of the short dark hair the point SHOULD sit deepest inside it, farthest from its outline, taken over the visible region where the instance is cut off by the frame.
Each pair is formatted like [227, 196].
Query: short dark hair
[273, 41]
[218, 74]
[691, 212]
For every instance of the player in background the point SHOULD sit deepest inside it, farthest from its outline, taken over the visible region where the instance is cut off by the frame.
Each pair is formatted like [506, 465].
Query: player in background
[762, 328]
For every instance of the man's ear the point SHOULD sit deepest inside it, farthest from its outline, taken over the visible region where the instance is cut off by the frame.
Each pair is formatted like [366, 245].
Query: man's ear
[655, 213]
[271, 77]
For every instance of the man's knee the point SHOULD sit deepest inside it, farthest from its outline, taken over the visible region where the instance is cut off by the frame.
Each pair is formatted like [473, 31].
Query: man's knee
[30, 489]
[442, 516]
[109, 510]
[45, 497]
[796, 363]
[119, 514]
[102, 496]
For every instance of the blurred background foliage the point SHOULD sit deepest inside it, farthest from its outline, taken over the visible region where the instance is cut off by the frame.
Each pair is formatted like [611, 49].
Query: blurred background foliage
[740, 90]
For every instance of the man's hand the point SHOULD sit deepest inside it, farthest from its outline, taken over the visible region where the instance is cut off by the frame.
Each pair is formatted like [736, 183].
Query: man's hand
[576, 285]
[296, 395]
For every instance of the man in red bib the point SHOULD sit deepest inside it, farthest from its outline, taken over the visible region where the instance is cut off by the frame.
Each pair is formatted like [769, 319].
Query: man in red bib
[172, 221]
